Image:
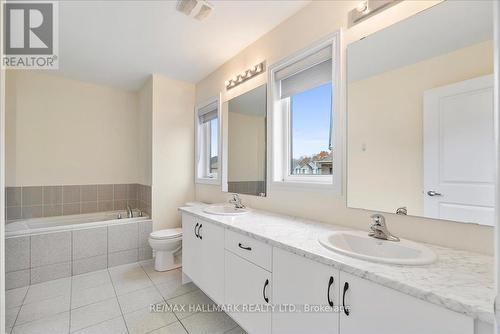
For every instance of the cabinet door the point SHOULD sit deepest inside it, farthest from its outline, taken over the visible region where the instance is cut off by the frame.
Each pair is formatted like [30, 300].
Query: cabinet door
[248, 284]
[212, 263]
[376, 309]
[191, 247]
[302, 282]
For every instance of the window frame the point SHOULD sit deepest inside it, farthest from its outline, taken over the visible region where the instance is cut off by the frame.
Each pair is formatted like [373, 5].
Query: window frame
[203, 145]
[280, 124]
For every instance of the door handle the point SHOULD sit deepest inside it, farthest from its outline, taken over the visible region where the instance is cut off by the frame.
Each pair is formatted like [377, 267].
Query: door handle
[346, 287]
[195, 231]
[264, 291]
[244, 247]
[199, 231]
[330, 283]
[433, 193]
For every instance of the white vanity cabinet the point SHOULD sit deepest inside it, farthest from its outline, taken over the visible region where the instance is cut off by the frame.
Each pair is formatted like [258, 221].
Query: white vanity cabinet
[299, 281]
[376, 309]
[203, 255]
[249, 281]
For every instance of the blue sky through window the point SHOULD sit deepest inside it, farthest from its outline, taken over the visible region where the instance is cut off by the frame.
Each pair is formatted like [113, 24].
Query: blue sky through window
[311, 112]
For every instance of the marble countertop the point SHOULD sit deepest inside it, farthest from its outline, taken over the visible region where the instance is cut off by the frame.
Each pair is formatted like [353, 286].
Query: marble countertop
[459, 280]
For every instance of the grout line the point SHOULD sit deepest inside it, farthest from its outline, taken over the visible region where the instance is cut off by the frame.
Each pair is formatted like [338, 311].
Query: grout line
[22, 304]
[118, 301]
[70, 290]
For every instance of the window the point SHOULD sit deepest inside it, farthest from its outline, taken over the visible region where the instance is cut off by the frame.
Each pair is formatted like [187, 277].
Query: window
[207, 152]
[306, 146]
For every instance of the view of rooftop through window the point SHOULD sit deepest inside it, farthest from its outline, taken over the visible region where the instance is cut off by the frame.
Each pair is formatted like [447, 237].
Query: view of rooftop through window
[310, 134]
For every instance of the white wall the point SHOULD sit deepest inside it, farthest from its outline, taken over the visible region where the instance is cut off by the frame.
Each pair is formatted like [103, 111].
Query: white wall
[61, 131]
[310, 24]
[173, 149]
[145, 131]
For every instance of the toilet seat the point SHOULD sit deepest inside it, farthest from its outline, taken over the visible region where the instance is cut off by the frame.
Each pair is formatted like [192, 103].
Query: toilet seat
[170, 233]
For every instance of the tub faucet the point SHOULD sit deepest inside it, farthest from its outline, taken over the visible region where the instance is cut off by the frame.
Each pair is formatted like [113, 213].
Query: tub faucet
[379, 228]
[130, 213]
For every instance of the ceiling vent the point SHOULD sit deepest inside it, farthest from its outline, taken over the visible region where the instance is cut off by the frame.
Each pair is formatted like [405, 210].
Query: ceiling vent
[199, 9]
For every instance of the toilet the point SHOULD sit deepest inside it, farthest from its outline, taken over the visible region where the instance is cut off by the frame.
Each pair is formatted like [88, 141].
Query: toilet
[165, 244]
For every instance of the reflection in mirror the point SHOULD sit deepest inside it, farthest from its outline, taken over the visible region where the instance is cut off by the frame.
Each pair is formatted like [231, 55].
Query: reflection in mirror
[246, 144]
[420, 116]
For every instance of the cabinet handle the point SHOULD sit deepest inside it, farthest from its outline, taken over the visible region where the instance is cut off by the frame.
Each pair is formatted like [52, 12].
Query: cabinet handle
[330, 283]
[244, 247]
[264, 291]
[199, 230]
[346, 287]
[196, 232]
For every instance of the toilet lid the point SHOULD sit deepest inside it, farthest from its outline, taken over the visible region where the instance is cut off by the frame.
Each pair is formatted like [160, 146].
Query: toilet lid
[167, 234]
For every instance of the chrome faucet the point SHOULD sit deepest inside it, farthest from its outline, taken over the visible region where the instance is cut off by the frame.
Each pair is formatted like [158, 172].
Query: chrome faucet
[402, 211]
[236, 200]
[130, 213]
[379, 228]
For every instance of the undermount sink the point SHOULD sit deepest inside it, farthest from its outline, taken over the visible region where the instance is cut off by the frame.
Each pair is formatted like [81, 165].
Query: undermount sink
[225, 210]
[359, 245]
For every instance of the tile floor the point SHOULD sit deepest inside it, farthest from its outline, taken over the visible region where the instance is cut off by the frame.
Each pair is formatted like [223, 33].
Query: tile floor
[115, 300]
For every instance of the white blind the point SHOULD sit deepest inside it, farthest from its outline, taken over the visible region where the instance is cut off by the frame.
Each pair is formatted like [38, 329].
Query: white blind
[307, 73]
[207, 113]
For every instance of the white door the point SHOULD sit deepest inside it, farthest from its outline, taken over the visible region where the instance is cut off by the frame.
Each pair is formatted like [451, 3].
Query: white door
[212, 260]
[459, 166]
[375, 309]
[191, 248]
[248, 285]
[314, 285]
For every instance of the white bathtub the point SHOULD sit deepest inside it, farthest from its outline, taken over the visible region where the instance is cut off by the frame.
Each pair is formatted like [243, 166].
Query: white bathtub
[70, 222]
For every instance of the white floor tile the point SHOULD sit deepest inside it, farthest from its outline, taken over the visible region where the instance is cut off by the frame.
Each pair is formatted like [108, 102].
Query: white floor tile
[82, 297]
[91, 280]
[113, 326]
[236, 330]
[42, 309]
[15, 297]
[130, 283]
[175, 289]
[143, 321]
[56, 324]
[47, 290]
[139, 299]
[11, 315]
[94, 313]
[190, 301]
[175, 328]
[213, 323]
[125, 269]
[159, 277]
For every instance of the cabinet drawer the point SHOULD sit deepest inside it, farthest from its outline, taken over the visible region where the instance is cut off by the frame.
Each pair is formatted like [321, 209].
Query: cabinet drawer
[254, 251]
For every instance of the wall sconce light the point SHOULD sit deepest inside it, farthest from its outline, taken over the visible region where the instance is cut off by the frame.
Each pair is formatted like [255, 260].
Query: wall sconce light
[367, 8]
[245, 75]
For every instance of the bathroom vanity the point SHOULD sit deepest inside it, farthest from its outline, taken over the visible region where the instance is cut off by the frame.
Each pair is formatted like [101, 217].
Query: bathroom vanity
[273, 262]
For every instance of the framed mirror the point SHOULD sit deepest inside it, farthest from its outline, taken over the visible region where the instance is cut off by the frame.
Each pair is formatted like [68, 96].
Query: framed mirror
[246, 143]
[420, 116]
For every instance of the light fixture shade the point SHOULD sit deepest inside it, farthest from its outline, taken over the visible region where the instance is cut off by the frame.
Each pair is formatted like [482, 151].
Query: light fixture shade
[186, 6]
[205, 11]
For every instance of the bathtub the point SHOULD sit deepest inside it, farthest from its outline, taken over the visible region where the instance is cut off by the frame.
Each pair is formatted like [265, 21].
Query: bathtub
[43, 249]
[70, 222]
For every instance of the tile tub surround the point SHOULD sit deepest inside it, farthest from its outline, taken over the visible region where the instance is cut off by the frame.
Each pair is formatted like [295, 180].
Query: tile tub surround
[114, 300]
[50, 201]
[459, 280]
[37, 258]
